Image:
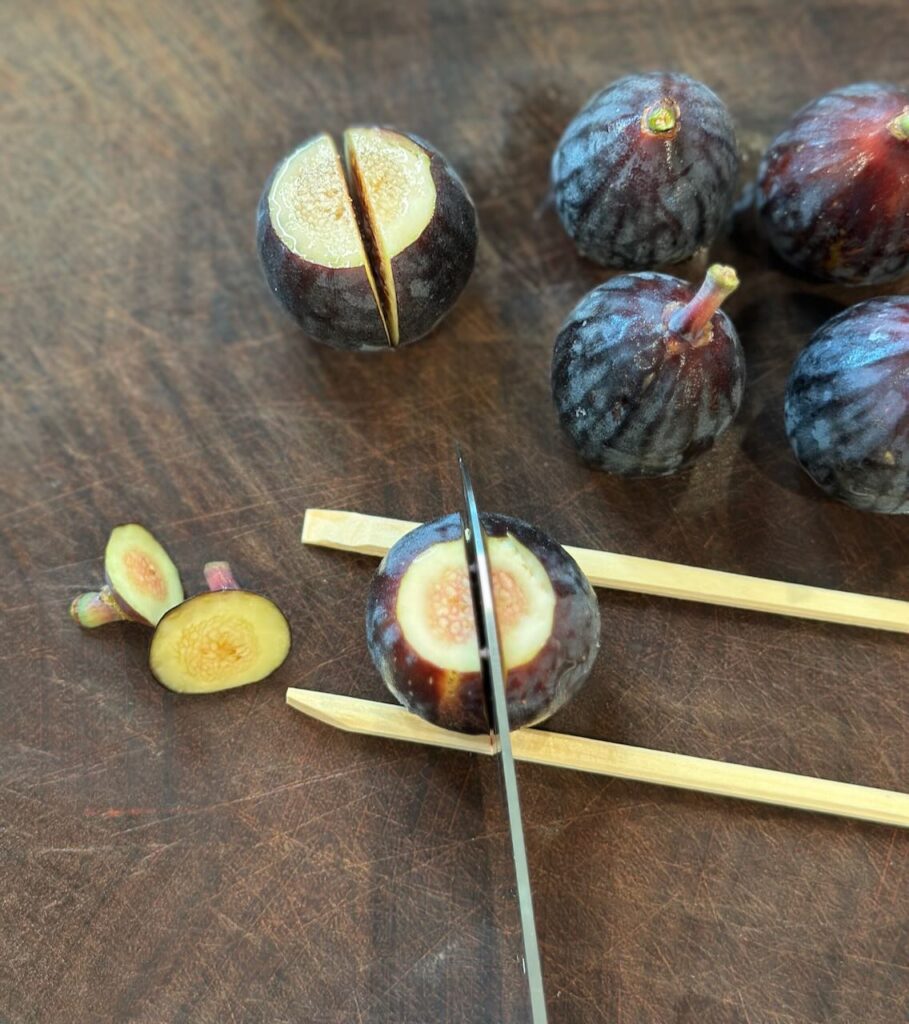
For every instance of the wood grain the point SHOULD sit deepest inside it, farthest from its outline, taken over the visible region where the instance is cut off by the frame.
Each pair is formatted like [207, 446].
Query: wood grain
[167, 860]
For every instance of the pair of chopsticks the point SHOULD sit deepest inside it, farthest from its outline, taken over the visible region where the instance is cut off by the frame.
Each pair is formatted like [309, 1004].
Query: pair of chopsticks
[373, 535]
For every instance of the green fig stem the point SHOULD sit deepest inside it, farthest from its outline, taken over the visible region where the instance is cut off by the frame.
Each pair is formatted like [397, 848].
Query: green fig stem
[689, 321]
[661, 118]
[220, 576]
[97, 608]
[899, 126]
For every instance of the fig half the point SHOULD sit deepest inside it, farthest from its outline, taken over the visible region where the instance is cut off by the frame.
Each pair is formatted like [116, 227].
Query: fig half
[312, 252]
[422, 636]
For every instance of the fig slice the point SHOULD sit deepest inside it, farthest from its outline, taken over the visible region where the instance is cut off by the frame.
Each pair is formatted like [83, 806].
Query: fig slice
[422, 635]
[419, 224]
[219, 640]
[312, 251]
[142, 581]
[391, 177]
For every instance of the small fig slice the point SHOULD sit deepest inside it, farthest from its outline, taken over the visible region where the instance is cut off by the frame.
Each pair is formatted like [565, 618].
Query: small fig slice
[422, 636]
[312, 252]
[420, 224]
[142, 581]
[219, 640]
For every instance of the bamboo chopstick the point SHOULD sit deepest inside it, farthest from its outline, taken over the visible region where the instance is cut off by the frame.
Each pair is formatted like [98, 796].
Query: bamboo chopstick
[681, 771]
[373, 535]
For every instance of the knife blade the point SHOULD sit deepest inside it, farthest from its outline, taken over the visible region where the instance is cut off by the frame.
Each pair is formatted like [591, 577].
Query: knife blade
[493, 675]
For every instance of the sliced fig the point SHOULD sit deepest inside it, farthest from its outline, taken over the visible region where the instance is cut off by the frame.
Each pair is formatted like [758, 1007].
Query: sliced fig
[422, 635]
[374, 261]
[312, 251]
[219, 640]
[420, 222]
[142, 581]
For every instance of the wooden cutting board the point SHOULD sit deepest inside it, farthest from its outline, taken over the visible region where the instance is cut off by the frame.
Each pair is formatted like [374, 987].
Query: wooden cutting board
[168, 860]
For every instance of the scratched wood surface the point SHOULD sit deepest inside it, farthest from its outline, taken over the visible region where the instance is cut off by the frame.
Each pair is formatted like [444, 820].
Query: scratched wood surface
[167, 860]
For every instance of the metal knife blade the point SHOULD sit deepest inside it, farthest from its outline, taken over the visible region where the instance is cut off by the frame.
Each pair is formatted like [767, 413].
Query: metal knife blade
[494, 681]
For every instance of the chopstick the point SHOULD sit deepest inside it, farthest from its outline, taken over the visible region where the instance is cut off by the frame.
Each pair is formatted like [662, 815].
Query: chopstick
[681, 771]
[374, 535]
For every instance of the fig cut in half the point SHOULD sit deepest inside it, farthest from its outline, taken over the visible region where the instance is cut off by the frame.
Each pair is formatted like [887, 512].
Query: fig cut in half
[371, 252]
[422, 634]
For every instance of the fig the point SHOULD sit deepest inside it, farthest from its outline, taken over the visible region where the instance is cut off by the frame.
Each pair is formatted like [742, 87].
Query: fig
[646, 172]
[142, 582]
[832, 192]
[370, 253]
[421, 631]
[646, 374]
[847, 406]
[218, 640]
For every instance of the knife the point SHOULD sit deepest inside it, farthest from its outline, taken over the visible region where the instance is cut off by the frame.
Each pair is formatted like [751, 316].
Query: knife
[493, 676]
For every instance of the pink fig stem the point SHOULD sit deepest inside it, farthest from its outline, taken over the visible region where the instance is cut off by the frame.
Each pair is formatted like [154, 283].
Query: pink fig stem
[691, 319]
[220, 576]
[97, 608]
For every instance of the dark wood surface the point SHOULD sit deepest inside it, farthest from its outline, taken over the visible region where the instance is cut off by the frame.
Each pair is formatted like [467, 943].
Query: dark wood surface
[168, 860]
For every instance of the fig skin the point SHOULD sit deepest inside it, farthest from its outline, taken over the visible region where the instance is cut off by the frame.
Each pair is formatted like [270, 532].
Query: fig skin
[634, 398]
[536, 689]
[335, 306]
[847, 406]
[832, 191]
[430, 274]
[633, 198]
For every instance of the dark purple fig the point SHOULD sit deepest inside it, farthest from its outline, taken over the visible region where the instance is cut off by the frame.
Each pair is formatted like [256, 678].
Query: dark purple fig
[847, 406]
[833, 187]
[422, 637]
[646, 374]
[376, 263]
[646, 172]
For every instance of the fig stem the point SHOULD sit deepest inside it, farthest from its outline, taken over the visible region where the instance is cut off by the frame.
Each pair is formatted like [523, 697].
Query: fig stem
[691, 319]
[899, 126]
[660, 118]
[96, 608]
[220, 576]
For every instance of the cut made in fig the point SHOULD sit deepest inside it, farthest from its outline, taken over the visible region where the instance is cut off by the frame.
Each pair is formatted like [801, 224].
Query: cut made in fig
[142, 582]
[375, 259]
[219, 640]
[422, 633]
